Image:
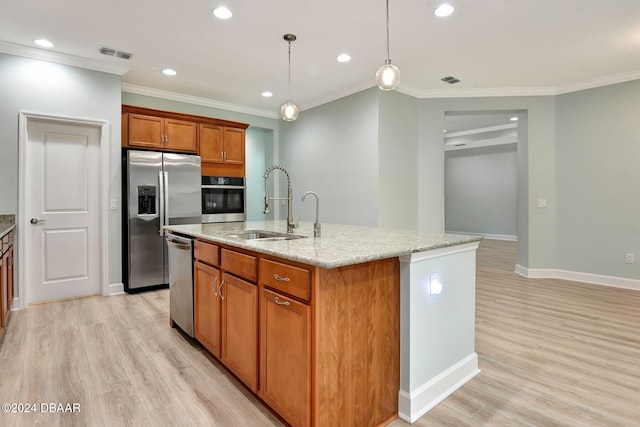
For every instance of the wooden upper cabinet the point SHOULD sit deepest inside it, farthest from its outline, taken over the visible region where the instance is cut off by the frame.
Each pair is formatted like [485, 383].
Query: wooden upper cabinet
[234, 145]
[211, 143]
[161, 133]
[219, 144]
[146, 131]
[180, 135]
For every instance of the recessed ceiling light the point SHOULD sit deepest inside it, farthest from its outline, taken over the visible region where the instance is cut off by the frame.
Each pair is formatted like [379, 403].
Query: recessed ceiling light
[444, 10]
[514, 119]
[43, 43]
[344, 57]
[222, 13]
[169, 72]
[267, 94]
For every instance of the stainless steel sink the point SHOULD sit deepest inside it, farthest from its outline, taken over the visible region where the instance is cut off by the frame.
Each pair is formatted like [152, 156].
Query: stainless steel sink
[264, 236]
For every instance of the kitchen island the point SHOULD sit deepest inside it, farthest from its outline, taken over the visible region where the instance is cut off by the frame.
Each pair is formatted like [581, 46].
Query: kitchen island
[352, 328]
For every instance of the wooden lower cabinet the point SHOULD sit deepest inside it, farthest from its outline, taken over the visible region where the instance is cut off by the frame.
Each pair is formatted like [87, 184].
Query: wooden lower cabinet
[285, 356]
[240, 328]
[321, 347]
[207, 307]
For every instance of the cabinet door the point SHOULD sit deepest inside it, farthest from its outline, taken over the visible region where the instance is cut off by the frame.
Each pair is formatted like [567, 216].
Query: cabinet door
[240, 328]
[10, 283]
[206, 306]
[180, 135]
[233, 146]
[211, 143]
[3, 289]
[285, 349]
[145, 131]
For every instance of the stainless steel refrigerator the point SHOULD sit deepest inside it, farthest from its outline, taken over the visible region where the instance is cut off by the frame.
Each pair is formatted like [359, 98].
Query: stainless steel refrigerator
[161, 189]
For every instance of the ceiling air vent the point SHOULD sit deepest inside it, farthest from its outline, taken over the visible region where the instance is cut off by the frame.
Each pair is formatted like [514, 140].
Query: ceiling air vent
[107, 51]
[123, 55]
[117, 53]
[451, 80]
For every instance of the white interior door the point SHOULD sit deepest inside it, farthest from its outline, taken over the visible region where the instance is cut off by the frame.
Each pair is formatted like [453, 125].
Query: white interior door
[62, 217]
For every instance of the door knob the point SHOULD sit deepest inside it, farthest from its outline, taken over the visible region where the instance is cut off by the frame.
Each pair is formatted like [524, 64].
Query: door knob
[36, 220]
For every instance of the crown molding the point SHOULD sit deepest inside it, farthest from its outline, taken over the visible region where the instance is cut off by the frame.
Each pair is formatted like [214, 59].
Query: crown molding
[349, 90]
[477, 92]
[599, 82]
[190, 99]
[62, 58]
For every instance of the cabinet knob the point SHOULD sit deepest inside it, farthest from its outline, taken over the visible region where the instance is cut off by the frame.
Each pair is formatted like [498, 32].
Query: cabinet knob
[277, 300]
[213, 286]
[220, 290]
[281, 279]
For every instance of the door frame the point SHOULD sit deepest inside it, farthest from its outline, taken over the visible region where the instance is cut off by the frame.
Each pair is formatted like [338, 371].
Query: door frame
[103, 191]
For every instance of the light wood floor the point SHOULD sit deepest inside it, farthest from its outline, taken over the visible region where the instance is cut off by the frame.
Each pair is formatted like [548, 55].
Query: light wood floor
[552, 353]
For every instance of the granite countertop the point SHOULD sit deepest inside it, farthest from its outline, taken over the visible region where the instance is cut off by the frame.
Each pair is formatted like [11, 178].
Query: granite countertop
[7, 223]
[339, 245]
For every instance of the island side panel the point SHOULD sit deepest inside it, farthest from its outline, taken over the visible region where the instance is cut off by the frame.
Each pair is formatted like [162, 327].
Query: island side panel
[356, 353]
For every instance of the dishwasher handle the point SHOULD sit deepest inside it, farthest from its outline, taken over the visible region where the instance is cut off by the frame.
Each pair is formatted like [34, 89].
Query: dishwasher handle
[179, 242]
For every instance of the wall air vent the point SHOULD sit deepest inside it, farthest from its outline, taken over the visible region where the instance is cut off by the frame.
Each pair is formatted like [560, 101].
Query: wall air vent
[112, 52]
[451, 80]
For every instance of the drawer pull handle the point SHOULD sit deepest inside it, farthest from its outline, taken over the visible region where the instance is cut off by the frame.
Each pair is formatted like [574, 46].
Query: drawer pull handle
[281, 279]
[213, 286]
[281, 302]
[220, 289]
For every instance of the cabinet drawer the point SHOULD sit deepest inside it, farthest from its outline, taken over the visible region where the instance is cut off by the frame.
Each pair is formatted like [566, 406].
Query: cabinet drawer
[239, 264]
[286, 278]
[206, 252]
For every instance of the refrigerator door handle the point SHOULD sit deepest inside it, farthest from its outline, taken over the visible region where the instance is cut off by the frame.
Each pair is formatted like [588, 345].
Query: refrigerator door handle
[161, 200]
[165, 194]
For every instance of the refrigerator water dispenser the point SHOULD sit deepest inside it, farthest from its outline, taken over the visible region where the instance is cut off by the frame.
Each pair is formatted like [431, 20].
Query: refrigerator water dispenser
[146, 200]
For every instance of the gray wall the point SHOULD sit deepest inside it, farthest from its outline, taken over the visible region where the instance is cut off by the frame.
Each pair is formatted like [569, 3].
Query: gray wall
[259, 154]
[481, 190]
[598, 175]
[42, 87]
[397, 161]
[333, 150]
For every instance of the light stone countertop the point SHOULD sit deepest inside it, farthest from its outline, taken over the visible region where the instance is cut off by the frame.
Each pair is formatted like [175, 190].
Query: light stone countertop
[7, 223]
[339, 245]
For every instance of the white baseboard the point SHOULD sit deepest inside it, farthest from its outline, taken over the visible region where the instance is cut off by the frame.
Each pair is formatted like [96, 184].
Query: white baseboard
[114, 289]
[507, 237]
[576, 276]
[412, 406]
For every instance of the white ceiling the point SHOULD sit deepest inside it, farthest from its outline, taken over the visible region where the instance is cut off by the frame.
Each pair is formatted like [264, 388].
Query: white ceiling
[495, 47]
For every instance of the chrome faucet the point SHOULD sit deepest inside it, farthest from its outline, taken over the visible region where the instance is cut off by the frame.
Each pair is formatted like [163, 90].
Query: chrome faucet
[316, 225]
[289, 198]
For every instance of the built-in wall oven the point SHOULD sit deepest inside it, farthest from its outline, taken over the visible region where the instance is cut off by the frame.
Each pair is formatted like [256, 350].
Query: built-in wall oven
[223, 199]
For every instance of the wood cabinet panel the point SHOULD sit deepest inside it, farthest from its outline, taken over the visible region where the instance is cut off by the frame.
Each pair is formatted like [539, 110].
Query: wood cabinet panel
[146, 131]
[357, 322]
[206, 252]
[285, 357]
[286, 278]
[240, 328]
[245, 266]
[207, 308]
[234, 146]
[211, 143]
[180, 135]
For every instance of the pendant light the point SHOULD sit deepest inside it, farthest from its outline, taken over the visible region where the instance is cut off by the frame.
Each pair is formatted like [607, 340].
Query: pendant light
[289, 110]
[388, 76]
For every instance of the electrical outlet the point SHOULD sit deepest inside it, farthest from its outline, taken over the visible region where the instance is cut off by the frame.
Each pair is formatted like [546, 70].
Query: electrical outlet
[113, 204]
[629, 259]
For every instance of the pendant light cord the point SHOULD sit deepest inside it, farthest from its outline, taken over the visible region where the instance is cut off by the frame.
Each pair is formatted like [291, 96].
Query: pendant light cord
[289, 85]
[388, 56]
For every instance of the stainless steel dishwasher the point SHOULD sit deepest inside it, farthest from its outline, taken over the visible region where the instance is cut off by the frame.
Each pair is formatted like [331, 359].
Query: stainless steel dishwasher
[181, 281]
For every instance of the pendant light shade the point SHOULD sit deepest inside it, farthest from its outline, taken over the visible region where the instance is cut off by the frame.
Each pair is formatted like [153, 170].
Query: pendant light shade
[388, 76]
[289, 110]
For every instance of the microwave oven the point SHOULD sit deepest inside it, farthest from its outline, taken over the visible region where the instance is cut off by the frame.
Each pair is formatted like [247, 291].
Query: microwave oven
[223, 199]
